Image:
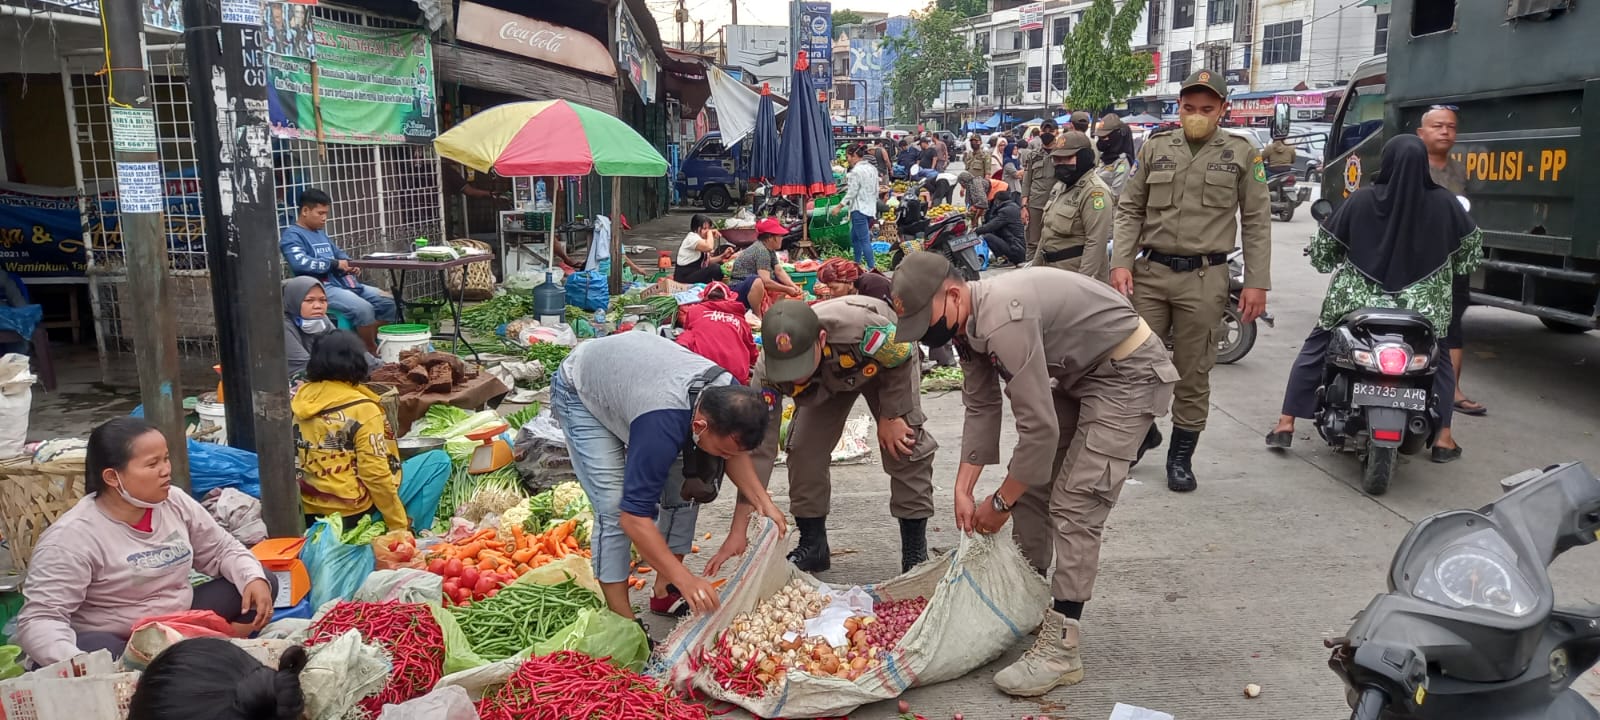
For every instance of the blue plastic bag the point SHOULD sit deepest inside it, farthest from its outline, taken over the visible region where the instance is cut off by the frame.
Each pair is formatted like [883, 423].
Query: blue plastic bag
[21, 320]
[337, 569]
[590, 290]
[214, 466]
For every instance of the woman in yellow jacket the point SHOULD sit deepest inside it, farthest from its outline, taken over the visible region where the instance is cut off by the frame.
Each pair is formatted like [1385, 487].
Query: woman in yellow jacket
[347, 458]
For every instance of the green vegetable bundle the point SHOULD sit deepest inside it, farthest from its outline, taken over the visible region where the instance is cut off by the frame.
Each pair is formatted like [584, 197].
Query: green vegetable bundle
[549, 355]
[941, 379]
[522, 614]
[366, 529]
[486, 317]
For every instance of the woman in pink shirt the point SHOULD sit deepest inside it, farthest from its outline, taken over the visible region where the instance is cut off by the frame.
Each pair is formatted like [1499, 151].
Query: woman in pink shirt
[125, 551]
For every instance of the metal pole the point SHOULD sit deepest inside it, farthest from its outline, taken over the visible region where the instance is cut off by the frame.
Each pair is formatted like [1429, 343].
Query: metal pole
[140, 203]
[248, 250]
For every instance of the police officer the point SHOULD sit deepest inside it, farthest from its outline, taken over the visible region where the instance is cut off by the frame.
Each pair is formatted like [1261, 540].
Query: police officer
[824, 357]
[979, 160]
[1038, 182]
[1279, 156]
[1086, 377]
[1081, 120]
[1077, 223]
[1176, 223]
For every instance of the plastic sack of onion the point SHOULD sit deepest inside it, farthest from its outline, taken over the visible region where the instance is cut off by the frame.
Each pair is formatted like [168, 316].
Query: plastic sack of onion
[940, 621]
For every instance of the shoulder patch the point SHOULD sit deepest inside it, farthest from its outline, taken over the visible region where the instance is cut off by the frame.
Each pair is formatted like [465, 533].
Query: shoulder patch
[1260, 171]
[1098, 200]
[874, 337]
[770, 396]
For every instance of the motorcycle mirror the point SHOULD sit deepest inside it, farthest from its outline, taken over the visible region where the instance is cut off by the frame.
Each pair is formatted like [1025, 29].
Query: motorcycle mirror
[1465, 203]
[1280, 120]
[1321, 209]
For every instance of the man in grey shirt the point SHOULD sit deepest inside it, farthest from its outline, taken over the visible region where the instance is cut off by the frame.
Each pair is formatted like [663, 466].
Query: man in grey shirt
[1438, 132]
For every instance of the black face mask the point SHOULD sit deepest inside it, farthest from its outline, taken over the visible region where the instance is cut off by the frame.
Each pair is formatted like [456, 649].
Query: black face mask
[1047, 139]
[939, 333]
[1067, 173]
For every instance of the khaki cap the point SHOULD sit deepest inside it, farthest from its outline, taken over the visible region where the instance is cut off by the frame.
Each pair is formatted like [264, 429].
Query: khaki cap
[789, 334]
[1070, 143]
[1208, 79]
[916, 282]
[1081, 116]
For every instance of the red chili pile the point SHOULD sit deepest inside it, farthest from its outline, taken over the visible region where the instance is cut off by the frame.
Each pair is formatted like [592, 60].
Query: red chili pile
[743, 678]
[894, 619]
[406, 630]
[570, 685]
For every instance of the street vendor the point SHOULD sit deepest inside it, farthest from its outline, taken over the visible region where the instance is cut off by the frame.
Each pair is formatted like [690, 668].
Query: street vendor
[695, 262]
[345, 446]
[641, 415]
[305, 321]
[1086, 378]
[309, 251]
[843, 277]
[126, 551]
[825, 356]
[758, 277]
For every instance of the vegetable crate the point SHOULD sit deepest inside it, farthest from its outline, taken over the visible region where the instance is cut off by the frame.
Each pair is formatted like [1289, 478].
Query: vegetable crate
[33, 495]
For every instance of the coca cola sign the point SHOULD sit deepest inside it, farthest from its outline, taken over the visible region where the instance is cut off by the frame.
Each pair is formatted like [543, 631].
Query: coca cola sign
[500, 30]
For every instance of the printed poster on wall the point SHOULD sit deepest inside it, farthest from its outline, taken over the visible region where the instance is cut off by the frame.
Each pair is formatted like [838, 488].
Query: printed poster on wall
[374, 86]
[287, 30]
[1031, 17]
[635, 55]
[41, 232]
[814, 34]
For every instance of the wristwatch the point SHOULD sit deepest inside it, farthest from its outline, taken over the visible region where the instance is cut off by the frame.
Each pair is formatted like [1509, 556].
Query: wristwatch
[999, 503]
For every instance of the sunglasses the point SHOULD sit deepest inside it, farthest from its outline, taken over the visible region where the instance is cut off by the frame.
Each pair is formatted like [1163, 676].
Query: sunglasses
[1451, 108]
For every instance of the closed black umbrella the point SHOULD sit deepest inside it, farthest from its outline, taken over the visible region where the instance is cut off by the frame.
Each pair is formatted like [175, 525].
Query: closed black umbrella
[805, 151]
[764, 149]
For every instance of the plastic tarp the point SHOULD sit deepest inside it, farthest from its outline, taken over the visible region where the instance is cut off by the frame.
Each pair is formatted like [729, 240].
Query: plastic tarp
[736, 103]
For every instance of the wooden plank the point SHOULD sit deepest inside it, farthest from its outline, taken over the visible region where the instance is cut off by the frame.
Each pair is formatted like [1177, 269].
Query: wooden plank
[522, 77]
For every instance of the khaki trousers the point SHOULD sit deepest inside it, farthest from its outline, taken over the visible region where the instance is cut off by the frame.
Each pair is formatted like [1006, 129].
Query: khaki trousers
[1185, 308]
[1035, 229]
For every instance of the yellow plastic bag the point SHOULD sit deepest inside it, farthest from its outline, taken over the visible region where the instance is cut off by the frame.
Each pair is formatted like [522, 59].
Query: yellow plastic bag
[556, 572]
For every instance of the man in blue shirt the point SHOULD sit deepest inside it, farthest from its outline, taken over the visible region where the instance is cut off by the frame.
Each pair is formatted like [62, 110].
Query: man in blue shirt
[309, 251]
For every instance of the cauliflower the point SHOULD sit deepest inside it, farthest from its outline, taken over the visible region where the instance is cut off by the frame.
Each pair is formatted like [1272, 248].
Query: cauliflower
[515, 515]
[568, 499]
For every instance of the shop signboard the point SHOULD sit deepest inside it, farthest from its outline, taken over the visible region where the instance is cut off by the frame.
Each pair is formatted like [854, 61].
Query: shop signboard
[813, 33]
[635, 54]
[507, 32]
[1031, 17]
[374, 86]
[41, 232]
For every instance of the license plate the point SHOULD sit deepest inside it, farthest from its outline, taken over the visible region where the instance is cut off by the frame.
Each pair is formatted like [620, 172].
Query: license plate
[1403, 398]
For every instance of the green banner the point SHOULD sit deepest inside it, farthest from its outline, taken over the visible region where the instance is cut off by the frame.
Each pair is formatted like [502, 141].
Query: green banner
[373, 87]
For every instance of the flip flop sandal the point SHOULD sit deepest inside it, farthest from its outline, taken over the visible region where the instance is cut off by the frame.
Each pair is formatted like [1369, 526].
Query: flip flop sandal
[1280, 440]
[1472, 407]
[1446, 455]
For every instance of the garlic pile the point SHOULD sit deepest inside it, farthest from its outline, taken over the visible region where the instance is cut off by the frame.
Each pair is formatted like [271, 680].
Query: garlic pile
[769, 641]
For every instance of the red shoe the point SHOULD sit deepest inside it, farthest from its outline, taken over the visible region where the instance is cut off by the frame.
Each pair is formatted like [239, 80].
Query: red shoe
[670, 605]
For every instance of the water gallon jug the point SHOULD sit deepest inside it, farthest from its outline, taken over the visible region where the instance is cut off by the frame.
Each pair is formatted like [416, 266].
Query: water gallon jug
[549, 301]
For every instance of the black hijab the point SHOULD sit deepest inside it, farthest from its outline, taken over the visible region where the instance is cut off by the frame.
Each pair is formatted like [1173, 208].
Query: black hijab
[1404, 228]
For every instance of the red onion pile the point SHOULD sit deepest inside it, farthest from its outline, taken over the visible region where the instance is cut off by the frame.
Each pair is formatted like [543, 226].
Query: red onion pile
[894, 619]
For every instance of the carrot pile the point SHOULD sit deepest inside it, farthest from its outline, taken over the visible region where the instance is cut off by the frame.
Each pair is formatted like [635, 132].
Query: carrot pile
[488, 554]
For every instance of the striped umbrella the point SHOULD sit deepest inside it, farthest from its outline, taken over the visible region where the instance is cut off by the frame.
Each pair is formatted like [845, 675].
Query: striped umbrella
[550, 137]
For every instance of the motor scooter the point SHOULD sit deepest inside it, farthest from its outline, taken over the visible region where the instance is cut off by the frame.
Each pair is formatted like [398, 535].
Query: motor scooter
[1469, 629]
[1234, 337]
[1287, 194]
[949, 236]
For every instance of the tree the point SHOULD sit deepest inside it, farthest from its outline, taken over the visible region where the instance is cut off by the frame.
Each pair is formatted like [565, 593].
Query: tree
[964, 8]
[933, 51]
[1101, 69]
[845, 17]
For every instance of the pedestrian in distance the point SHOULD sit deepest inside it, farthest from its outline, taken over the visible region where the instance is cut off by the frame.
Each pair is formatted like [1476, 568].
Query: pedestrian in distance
[1193, 192]
[1438, 132]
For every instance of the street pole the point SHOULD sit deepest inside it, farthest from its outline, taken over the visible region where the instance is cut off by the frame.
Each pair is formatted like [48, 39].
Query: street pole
[733, 16]
[141, 200]
[235, 155]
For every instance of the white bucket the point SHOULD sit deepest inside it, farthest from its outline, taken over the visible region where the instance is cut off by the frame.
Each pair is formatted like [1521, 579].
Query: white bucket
[213, 415]
[391, 344]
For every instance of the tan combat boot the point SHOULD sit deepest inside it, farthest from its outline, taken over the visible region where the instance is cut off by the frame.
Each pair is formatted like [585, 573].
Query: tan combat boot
[1053, 660]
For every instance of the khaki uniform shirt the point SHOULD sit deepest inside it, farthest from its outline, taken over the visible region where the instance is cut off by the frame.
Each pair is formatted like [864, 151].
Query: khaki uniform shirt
[860, 350]
[1279, 154]
[1028, 327]
[1081, 215]
[1039, 176]
[980, 162]
[1452, 177]
[1192, 203]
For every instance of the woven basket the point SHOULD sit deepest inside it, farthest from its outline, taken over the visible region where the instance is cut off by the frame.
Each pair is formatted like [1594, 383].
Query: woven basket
[480, 275]
[33, 495]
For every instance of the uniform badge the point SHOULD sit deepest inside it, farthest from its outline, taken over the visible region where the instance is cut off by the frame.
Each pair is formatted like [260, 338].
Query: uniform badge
[1227, 154]
[1352, 173]
[770, 396]
[783, 342]
[999, 367]
[847, 362]
[1260, 171]
[874, 337]
[1098, 200]
[1205, 77]
[870, 369]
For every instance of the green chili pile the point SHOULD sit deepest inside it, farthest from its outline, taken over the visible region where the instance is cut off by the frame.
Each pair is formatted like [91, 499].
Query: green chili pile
[521, 615]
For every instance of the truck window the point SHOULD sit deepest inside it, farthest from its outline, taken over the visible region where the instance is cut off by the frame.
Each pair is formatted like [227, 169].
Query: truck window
[713, 150]
[1432, 16]
[1361, 114]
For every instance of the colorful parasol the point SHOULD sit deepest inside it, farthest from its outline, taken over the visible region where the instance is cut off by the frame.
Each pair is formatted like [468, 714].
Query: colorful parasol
[550, 137]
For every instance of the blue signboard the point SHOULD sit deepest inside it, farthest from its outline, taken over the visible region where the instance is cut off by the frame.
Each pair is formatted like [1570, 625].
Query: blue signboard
[41, 232]
[813, 33]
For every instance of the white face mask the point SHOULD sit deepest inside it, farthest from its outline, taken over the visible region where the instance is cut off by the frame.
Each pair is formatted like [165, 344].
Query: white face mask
[131, 500]
[316, 326]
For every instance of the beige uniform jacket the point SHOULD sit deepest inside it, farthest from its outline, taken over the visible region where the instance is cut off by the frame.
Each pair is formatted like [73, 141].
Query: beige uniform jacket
[1026, 328]
[980, 162]
[1039, 176]
[1081, 215]
[860, 350]
[1183, 203]
[1279, 154]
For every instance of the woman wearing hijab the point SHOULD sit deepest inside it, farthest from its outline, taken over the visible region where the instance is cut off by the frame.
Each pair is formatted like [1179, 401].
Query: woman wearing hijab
[305, 321]
[1396, 244]
[1115, 139]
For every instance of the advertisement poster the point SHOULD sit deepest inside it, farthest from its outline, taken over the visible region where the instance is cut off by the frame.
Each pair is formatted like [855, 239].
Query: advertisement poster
[814, 34]
[165, 14]
[635, 55]
[41, 232]
[1032, 17]
[374, 86]
[287, 30]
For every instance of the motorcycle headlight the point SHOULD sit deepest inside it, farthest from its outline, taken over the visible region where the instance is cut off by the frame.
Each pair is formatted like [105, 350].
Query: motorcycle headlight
[1480, 570]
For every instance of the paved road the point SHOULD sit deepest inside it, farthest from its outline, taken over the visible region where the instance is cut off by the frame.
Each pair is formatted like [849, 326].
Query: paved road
[1240, 582]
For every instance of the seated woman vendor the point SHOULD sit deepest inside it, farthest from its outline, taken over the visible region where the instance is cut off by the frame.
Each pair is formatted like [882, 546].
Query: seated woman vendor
[348, 460]
[305, 321]
[125, 553]
[758, 277]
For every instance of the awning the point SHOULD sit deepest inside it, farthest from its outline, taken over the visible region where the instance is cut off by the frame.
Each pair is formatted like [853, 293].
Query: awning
[521, 77]
[1373, 3]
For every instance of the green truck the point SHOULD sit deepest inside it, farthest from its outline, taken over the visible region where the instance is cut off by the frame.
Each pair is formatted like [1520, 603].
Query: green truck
[1525, 78]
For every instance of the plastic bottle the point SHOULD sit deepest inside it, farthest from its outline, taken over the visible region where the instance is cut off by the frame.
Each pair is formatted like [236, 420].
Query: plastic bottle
[549, 300]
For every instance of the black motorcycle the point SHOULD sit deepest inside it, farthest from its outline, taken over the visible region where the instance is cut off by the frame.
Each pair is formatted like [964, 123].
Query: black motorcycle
[1235, 338]
[766, 203]
[1377, 393]
[949, 236]
[1287, 194]
[1469, 628]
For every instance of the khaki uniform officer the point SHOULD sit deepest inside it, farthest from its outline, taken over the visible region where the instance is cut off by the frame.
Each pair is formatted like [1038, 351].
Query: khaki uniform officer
[1176, 223]
[1077, 223]
[825, 357]
[1038, 182]
[1279, 157]
[1086, 378]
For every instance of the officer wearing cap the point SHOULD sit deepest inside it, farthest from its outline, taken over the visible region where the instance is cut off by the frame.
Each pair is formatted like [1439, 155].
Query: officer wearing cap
[1038, 182]
[1177, 220]
[1279, 156]
[1080, 121]
[1077, 222]
[824, 356]
[1086, 377]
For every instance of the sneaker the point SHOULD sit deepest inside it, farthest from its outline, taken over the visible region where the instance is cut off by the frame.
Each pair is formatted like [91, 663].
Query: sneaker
[671, 605]
[1053, 660]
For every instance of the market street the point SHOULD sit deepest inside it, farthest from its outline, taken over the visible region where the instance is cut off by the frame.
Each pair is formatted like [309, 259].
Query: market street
[1241, 581]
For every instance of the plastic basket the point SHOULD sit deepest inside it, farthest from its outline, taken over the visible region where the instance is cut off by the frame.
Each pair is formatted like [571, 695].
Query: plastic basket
[33, 495]
[804, 279]
[94, 697]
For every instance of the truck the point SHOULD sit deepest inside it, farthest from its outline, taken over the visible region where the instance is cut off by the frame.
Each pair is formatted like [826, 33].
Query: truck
[707, 175]
[1524, 79]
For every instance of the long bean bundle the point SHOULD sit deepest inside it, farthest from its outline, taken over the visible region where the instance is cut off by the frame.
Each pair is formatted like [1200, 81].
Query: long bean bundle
[520, 615]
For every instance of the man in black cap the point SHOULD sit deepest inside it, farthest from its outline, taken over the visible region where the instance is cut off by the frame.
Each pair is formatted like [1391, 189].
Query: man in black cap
[1177, 220]
[825, 356]
[1085, 377]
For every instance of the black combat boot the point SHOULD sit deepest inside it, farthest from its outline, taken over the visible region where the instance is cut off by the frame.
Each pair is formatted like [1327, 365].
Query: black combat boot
[1180, 475]
[1152, 440]
[812, 554]
[913, 543]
